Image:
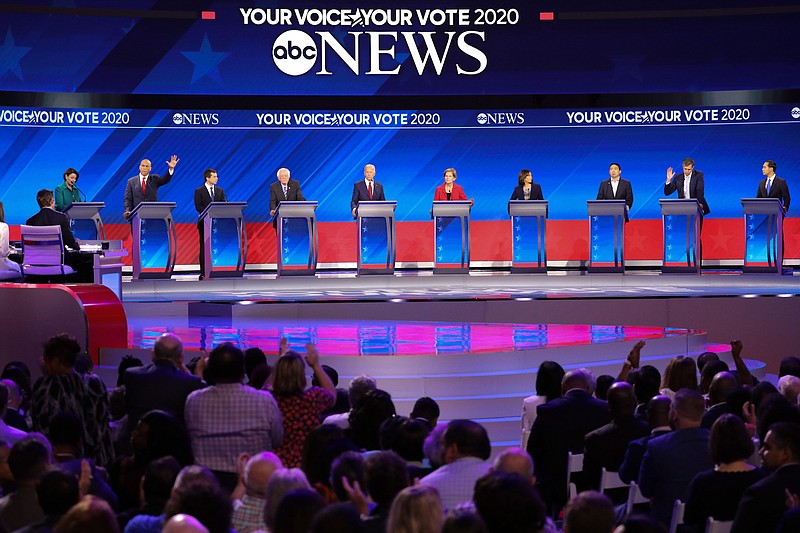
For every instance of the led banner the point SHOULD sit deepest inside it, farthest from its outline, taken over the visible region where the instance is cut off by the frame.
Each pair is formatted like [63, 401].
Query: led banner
[464, 47]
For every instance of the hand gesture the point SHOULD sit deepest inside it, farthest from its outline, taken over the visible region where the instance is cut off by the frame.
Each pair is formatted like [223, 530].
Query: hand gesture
[792, 499]
[85, 479]
[202, 364]
[636, 353]
[670, 174]
[736, 348]
[172, 161]
[356, 495]
[749, 413]
[283, 347]
[312, 355]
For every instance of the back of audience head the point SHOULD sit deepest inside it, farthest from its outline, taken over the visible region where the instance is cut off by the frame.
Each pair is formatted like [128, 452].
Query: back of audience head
[385, 475]
[464, 520]
[774, 408]
[709, 372]
[721, 386]
[331, 372]
[289, 375]
[28, 458]
[404, 436]
[790, 366]
[548, 380]
[59, 354]
[282, 482]
[465, 438]
[258, 470]
[641, 523]
[205, 501]
[225, 364]
[687, 410]
[515, 461]
[621, 400]
[433, 447]
[359, 387]
[658, 409]
[683, 374]
[56, 492]
[729, 440]
[603, 383]
[337, 518]
[168, 347]
[66, 431]
[348, 465]
[737, 398]
[427, 409]
[313, 457]
[589, 512]
[158, 479]
[253, 358]
[296, 511]
[580, 378]
[158, 434]
[781, 445]
[646, 382]
[19, 373]
[508, 503]
[194, 475]
[84, 364]
[184, 523]
[416, 509]
[789, 387]
[128, 361]
[366, 419]
[704, 358]
[89, 514]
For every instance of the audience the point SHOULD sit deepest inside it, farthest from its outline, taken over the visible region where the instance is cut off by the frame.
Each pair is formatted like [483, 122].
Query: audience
[248, 513]
[29, 458]
[508, 503]
[359, 387]
[89, 514]
[8, 433]
[426, 409]
[342, 403]
[589, 512]
[296, 511]
[281, 482]
[658, 409]
[722, 385]
[156, 488]
[645, 381]
[366, 419]
[548, 387]
[602, 384]
[337, 518]
[57, 492]
[416, 509]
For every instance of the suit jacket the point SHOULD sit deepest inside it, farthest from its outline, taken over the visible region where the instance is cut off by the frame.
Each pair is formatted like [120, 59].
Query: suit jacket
[561, 426]
[536, 192]
[360, 193]
[624, 191]
[669, 465]
[779, 189]
[158, 385]
[202, 198]
[714, 412]
[456, 194]
[51, 217]
[697, 188]
[133, 190]
[605, 447]
[293, 193]
[763, 504]
[632, 463]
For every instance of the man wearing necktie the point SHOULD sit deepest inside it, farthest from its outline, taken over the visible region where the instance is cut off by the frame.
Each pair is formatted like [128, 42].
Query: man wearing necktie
[366, 189]
[204, 195]
[772, 186]
[284, 190]
[144, 187]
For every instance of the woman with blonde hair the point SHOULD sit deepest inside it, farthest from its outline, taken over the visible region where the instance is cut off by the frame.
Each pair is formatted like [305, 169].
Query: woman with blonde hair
[416, 509]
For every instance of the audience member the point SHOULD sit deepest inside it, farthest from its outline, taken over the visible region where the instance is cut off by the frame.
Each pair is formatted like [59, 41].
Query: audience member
[704, 358]
[6, 477]
[605, 446]
[416, 509]
[560, 427]
[508, 503]
[789, 387]
[156, 487]
[682, 374]
[300, 408]
[548, 387]
[589, 512]
[466, 450]
[385, 475]
[13, 417]
[89, 514]
[342, 403]
[248, 513]
[348, 465]
[254, 357]
[672, 460]
[337, 518]
[790, 366]
[7, 433]
[716, 493]
[296, 511]
[127, 361]
[216, 435]
[367, 417]
[28, 459]
[426, 409]
[282, 482]
[645, 382]
[184, 523]
[707, 375]
[658, 419]
[515, 461]
[737, 399]
[722, 384]
[433, 448]
[203, 500]
[464, 520]
[763, 503]
[359, 387]
[19, 373]
[61, 389]
[323, 444]
[56, 492]
[603, 383]
[406, 437]
[774, 408]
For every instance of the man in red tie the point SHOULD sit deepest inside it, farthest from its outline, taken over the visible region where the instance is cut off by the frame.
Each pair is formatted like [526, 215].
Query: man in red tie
[144, 187]
[366, 189]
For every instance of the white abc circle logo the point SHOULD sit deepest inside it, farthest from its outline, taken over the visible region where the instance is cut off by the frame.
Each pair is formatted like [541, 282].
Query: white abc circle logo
[294, 52]
[177, 118]
[482, 118]
[796, 112]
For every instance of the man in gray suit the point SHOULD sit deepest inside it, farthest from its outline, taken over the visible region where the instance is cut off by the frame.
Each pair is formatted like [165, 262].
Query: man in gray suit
[144, 187]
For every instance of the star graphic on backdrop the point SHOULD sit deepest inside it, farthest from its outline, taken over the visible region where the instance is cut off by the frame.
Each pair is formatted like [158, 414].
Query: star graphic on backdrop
[11, 55]
[717, 241]
[636, 240]
[205, 61]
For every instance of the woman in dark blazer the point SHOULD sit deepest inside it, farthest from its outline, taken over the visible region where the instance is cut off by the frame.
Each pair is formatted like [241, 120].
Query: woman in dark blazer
[527, 189]
[449, 190]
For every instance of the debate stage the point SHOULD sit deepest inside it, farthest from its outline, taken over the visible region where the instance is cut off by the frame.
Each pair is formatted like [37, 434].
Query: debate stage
[473, 342]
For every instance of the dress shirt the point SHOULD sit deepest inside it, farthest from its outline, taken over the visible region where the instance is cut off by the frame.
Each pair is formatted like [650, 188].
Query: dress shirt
[228, 419]
[687, 186]
[456, 481]
[614, 185]
[248, 514]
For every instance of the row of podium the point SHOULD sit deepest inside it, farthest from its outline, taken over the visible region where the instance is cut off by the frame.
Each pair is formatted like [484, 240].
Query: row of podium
[154, 243]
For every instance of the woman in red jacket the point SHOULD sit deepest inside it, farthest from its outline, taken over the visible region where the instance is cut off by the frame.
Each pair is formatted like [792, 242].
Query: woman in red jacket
[449, 190]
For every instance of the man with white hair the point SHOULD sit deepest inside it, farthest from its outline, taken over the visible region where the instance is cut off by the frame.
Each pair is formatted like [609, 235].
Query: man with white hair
[515, 461]
[248, 513]
[789, 387]
[284, 190]
[359, 387]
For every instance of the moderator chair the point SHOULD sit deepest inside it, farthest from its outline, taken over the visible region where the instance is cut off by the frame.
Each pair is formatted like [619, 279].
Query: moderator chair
[43, 251]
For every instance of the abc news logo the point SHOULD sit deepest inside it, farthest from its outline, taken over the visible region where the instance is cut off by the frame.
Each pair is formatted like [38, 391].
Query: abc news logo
[295, 52]
[195, 119]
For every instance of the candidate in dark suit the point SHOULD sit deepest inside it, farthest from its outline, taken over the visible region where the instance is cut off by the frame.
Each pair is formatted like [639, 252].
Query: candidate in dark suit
[361, 189]
[672, 460]
[624, 191]
[144, 187]
[772, 186]
[696, 184]
[561, 426]
[764, 503]
[527, 189]
[284, 190]
[204, 195]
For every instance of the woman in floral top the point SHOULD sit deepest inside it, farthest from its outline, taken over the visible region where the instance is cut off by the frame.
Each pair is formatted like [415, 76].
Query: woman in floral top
[301, 408]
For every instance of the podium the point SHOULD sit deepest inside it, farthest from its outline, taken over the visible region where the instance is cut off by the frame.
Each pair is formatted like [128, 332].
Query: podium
[86, 222]
[376, 237]
[451, 232]
[224, 239]
[298, 242]
[606, 235]
[528, 233]
[681, 221]
[763, 235]
[154, 240]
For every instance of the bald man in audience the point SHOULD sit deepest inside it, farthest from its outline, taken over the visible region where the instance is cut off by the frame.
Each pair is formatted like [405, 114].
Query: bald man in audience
[248, 513]
[721, 386]
[184, 523]
[515, 461]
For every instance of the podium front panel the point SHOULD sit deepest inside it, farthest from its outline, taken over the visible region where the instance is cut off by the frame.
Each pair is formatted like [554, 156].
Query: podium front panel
[763, 233]
[297, 253]
[376, 246]
[528, 235]
[154, 246]
[680, 243]
[224, 245]
[85, 229]
[452, 243]
[606, 235]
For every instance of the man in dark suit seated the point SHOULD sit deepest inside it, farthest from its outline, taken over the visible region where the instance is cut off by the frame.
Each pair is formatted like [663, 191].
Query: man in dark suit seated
[284, 190]
[560, 427]
[144, 187]
[48, 216]
[366, 189]
[658, 418]
[204, 195]
[722, 385]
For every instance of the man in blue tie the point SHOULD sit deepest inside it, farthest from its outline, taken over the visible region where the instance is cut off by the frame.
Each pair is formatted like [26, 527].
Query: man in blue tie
[772, 186]
[284, 190]
[204, 195]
